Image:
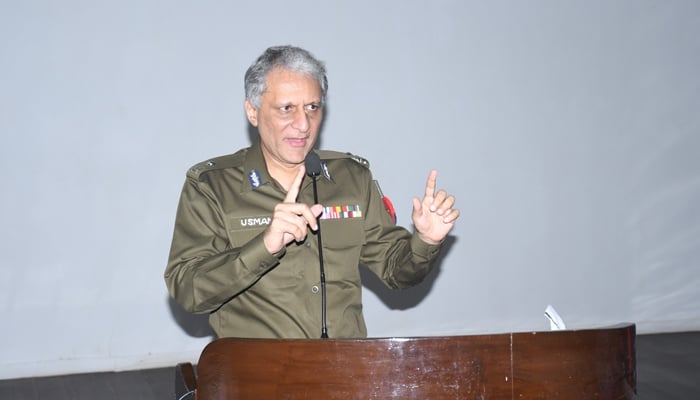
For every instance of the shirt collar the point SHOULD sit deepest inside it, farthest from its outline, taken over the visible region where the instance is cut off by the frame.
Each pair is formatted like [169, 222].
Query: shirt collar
[256, 174]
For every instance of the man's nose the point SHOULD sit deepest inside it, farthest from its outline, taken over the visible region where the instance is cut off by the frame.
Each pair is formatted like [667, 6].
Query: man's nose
[301, 121]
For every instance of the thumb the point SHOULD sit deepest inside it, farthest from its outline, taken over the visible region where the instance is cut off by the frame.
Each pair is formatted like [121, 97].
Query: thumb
[316, 210]
[417, 208]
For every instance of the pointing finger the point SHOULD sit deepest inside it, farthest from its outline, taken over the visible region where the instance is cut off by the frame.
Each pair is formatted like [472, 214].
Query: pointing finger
[430, 185]
[296, 184]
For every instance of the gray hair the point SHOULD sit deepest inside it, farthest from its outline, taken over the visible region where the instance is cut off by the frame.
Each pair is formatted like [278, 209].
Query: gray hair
[290, 58]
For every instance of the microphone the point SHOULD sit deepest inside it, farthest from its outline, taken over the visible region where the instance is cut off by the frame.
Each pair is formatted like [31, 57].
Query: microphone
[312, 162]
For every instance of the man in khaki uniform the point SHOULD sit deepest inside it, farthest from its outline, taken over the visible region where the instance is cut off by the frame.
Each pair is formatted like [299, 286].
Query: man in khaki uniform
[244, 247]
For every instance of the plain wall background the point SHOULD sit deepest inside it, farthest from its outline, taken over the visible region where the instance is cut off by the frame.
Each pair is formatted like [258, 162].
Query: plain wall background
[568, 130]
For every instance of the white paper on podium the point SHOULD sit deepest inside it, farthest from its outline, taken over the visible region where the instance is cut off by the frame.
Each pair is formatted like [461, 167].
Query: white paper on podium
[555, 321]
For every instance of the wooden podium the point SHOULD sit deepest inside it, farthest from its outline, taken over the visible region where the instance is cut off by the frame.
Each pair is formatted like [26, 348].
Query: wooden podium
[580, 364]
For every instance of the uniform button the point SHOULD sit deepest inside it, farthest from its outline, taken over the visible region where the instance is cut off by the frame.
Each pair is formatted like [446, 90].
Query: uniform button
[308, 245]
[314, 289]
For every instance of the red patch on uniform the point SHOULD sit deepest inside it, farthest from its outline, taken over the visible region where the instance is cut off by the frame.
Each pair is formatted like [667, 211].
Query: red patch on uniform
[389, 208]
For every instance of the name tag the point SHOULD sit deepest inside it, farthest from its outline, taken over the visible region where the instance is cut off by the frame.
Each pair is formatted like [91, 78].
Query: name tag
[255, 221]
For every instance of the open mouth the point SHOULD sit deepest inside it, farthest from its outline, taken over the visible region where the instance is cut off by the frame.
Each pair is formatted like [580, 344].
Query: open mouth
[297, 142]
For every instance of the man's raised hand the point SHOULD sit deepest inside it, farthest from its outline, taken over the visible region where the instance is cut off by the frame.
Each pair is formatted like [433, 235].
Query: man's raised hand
[434, 217]
[290, 219]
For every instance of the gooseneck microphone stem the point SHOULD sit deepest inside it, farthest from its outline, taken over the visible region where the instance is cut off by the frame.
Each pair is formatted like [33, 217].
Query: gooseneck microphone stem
[313, 169]
[324, 329]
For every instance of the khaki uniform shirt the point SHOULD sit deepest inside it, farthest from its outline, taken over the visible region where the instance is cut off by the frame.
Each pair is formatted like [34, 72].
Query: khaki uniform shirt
[218, 263]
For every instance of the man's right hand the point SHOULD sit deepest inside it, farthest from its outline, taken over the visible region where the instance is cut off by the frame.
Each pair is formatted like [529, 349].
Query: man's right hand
[291, 219]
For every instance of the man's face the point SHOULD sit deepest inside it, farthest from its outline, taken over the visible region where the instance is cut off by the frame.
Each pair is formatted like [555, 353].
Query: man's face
[288, 118]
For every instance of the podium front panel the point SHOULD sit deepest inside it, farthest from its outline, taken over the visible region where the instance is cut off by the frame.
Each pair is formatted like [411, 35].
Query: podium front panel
[585, 364]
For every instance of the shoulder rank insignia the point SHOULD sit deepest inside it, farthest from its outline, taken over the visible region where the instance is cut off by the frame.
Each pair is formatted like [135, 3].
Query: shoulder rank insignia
[359, 159]
[201, 167]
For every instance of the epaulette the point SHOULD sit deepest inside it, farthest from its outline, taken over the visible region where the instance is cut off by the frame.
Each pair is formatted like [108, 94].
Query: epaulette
[223, 162]
[358, 159]
[329, 155]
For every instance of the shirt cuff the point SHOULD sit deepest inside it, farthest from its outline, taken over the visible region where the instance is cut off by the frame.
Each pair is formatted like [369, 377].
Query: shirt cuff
[423, 249]
[255, 255]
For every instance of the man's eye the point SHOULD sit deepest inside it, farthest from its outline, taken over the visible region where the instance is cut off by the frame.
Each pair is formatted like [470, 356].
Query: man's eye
[312, 107]
[286, 108]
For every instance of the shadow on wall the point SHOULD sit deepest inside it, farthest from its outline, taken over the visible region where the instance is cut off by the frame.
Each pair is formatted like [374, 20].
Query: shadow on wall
[195, 325]
[404, 299]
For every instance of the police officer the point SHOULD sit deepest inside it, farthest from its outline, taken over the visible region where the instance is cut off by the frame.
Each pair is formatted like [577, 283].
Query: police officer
[244, 248]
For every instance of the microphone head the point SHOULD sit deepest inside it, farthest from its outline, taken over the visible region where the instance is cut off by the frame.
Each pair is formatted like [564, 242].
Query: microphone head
[312, 162]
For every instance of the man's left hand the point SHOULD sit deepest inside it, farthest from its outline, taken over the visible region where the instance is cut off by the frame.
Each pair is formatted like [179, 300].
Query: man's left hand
[434, 217]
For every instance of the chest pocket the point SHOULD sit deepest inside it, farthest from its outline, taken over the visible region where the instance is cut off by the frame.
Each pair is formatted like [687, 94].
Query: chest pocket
[243, 230]
[343, 233]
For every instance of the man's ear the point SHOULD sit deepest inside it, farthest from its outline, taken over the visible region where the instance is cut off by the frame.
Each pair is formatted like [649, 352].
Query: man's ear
[252, 113]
